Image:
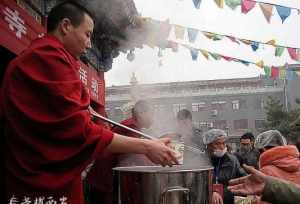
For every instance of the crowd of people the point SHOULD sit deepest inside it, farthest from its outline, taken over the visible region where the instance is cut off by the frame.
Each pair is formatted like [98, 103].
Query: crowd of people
[268, 153]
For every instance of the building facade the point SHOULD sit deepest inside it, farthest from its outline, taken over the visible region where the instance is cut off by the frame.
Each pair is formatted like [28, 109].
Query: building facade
[235, 105]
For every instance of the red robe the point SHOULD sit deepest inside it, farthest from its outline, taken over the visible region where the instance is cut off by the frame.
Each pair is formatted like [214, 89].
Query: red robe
[49, 135]
[100, 177]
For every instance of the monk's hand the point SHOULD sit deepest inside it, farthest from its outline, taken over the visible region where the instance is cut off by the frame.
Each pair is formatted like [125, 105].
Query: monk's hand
[159, 152]
[216, 198]
[253, 184]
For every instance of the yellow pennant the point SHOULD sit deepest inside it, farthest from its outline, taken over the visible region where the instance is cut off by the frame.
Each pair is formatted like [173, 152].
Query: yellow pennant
[220, 3]
[260, 64]
[282, 72]
[179, 32]
[272, 42]
[205, 54]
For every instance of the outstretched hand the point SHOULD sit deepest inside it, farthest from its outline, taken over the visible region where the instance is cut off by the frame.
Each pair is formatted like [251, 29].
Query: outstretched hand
[252, 184]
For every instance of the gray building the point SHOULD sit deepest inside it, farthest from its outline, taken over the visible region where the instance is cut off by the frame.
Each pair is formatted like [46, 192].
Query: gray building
[235, 105]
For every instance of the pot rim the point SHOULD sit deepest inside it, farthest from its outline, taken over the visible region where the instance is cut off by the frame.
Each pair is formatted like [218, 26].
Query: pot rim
[162, 170]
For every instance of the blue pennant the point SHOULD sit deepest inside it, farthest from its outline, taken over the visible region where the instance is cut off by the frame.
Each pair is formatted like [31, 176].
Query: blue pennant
[194, 54]
[192, 34]
[290, 74]
[244, 62]
[283, 12]
[197, 3]
[254, 45]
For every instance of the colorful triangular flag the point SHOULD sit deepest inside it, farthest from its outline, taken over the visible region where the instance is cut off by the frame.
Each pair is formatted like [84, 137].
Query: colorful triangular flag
[194, 54]
[293, 53]
[247, 5]
[254, 45]
[260, 64]
[233, 39]
[215, 56]
[212, 36]
[197, 3]
[283, 12]
[192, 34]
[227, 58]
[173, 46]
[205, 54]
[282, 73]
[290, 74]
[274, 72]
[233, 3]
[179, 32]
[244, 62]
[267, 10]
[271, 42]
[267, 70]
[279, 50]
[220, 3]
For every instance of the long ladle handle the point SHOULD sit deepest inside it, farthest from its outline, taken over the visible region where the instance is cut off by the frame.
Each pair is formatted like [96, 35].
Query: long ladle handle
[94, 113]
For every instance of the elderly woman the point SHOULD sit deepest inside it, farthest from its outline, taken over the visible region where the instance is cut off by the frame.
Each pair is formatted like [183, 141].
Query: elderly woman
[226, 165]
[277, 158]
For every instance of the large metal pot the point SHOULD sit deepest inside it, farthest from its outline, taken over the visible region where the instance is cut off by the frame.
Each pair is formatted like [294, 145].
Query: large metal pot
[163, 185]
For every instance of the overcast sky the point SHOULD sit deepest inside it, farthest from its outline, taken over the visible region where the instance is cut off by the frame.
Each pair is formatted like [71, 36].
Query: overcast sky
[180, 67]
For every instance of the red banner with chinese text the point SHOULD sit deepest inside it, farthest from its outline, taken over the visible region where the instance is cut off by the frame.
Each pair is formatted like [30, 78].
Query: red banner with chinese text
[17, 27]
[94, 81]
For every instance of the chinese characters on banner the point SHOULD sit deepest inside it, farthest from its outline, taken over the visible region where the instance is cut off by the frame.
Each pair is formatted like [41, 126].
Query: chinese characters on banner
[94, 82]
[15, 22]
[37, 200]
[17, 27]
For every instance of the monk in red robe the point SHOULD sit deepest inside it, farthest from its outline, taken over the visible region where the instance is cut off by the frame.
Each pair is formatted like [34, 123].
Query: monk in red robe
[48, 133]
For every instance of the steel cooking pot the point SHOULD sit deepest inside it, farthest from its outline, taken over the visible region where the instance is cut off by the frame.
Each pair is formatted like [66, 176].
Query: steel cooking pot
[181, 184]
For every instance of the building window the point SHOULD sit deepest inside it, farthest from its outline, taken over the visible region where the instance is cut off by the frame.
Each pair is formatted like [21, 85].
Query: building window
[159, 108]
[197, 107]
[259, 104]
[213, 113]
[220, 124]
[242, 104]
[205, 124]
[240, 124]
[262, 104]
[236, 105]
[196, 124]
[118, 112]
[177, 107]
[218, 105]
[259, 124]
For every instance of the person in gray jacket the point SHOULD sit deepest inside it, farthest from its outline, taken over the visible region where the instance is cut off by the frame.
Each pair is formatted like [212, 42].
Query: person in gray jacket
[271, 189]
[226, 165]
[247, 154]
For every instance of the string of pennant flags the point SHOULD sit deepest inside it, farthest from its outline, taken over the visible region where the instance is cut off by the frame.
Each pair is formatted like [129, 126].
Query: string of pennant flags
[247, 5]
[160, 32]
[294, 52]
[271, 71]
